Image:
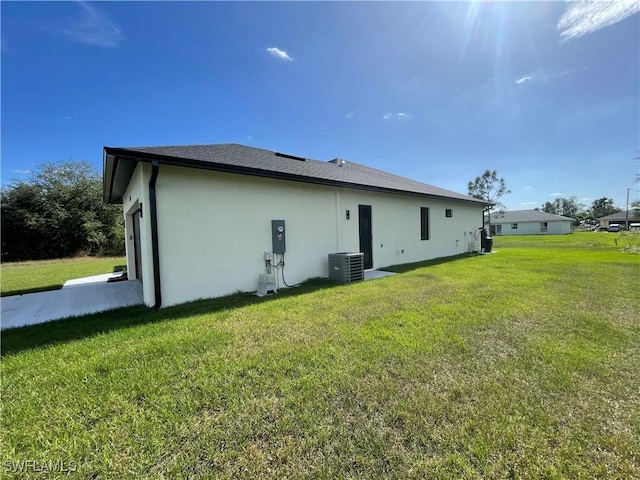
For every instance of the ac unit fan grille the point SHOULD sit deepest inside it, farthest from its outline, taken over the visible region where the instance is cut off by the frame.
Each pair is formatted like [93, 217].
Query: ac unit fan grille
[346, 267]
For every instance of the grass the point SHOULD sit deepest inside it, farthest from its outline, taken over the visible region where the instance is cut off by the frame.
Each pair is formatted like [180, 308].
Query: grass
[37, 276]
[522, 364]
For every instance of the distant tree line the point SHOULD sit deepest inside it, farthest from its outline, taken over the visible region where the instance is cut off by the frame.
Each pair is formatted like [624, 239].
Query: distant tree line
[570, 207]
[59, 212]
[491, 188]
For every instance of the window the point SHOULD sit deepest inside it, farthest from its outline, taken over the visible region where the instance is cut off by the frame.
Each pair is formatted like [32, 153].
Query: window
[514, 226]
[448, 213]
[543, 227]
[424, 223]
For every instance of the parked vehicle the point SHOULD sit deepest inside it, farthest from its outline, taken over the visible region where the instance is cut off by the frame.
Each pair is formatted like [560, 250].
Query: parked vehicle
[613, 227]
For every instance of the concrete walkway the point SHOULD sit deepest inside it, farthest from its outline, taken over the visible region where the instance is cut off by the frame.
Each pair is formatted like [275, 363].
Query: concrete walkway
[80, 296]
[373, 274]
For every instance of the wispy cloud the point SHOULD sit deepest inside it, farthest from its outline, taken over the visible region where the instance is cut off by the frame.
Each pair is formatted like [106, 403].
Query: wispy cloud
[349, 115]
[527, 204]
[585, 17]
[545, 77]
[525, 79]
[556, 194]
[572, 70]
[95, 28]
[528, 187]
[64, 120]
[391, 115]
[23, 172]
[281, 54]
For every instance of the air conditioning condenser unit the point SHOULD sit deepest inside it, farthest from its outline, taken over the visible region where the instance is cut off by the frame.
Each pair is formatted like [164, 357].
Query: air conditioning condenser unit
[345, 267]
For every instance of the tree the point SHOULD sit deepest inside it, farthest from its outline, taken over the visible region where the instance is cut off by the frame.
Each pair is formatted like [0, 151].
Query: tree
[567, 207]
[59, 212]
[549, 207]
[602, 207]
[490, 188]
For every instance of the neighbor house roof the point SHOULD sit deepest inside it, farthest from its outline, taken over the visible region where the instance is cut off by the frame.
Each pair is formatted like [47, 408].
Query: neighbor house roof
[622, 216]
[119, 164]
[522, 216]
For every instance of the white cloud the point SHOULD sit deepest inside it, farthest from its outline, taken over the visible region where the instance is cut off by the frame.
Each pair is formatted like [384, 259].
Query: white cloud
[525, 204]
[23, 172]
[572, 70]
[348, 115]
[281, 54]
[62, 121]
[95, 28]
[556, 194]
[525, 79]
[391, 115]
[585, 17]
[528, 187]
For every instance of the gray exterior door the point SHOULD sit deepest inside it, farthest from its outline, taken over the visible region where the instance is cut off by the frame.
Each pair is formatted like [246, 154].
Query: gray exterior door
[136, 245]
[366, 234]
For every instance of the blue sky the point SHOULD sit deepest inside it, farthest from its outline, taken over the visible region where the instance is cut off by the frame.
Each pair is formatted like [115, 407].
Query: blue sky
[547, 94]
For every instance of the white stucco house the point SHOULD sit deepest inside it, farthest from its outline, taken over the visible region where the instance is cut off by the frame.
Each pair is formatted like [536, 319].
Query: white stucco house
[199, 220]
[529, 222]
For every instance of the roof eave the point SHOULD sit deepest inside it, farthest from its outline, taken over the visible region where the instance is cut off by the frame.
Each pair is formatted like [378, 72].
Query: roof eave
[108, 170]
[118, 170]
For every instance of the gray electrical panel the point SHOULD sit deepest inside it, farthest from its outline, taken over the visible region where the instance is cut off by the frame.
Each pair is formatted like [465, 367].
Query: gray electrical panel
[278, 236]
[346, 267]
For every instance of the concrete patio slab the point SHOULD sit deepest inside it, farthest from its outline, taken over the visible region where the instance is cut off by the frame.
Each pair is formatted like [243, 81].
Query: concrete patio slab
[87, 280]
[77, 297]
[373, 274]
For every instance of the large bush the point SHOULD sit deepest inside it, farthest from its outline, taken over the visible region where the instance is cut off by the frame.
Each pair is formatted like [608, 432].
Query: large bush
[59, 212]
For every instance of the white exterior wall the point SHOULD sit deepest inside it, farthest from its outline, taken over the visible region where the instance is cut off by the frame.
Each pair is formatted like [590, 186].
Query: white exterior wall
[557, 227]
[214, 228]
[396, 227]
[138, 193]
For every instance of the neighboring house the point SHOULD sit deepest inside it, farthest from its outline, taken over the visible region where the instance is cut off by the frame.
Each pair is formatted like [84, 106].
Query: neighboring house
[529, 222]
[198, 219]
[619, 218]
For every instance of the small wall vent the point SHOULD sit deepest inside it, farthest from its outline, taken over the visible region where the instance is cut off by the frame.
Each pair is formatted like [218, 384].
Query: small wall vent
[292, 157]
[346, 267]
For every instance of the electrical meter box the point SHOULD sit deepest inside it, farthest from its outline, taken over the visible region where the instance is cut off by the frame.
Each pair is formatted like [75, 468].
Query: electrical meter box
[278, 236]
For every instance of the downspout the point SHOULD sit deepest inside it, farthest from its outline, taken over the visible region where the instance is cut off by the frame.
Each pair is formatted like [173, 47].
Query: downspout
[338, 228]
[154, 235]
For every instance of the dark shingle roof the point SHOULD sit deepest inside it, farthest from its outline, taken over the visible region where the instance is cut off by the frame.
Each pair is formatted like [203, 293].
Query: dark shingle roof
[622, 215]
[260, 162]
[522, 216]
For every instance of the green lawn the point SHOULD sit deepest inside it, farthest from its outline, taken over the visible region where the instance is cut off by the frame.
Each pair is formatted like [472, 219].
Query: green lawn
[41, 275]
[521, 364]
